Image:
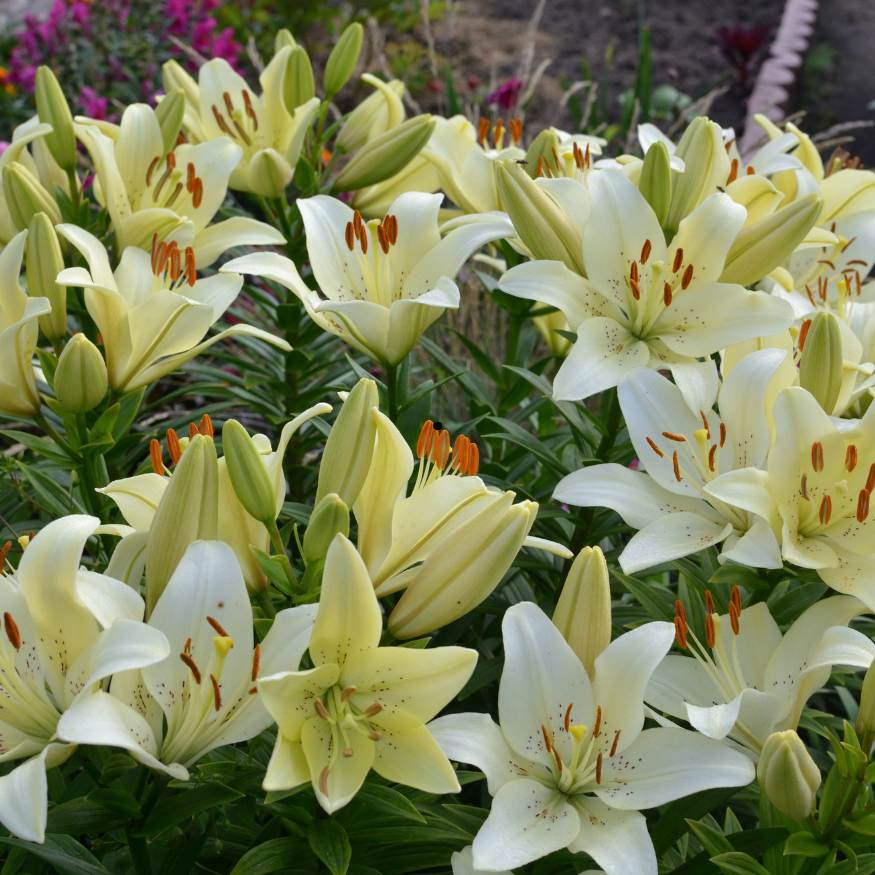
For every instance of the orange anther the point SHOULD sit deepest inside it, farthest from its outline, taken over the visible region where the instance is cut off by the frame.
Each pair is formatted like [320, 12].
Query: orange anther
[357, 223]
[482, 130]
[680, 624]
[597, 725]
[870, 480]
[676, 466]
[217, 626]
[382, 239]
[710, 636]
[321, 710]
[709, 602]
[567, 721]
[195, 671]
[190, 266]
[12, 632]
[722, 434]
[636, 291]
[363, 240]
[153, 164]
[862, 506]
[217, 692]
[349, 236]
[425, 439]
[803, 487]
[548, 741]
[598, 768]
[392, 229]
[206, 426]
[705, 424]
[473, 459]
[825, 512]
[197, 194]
[735, 597]
[190, 176]
[175, 263]
[733, 172]
[652, 444]
[171, 160]
[687, 277]
[498, 133]
[156, 457]
[678, 260]
[750, 171]
[851, 457]
[4, 552]
[666, 294]
[712, 458]
[672, 436]
[645, 252]
[734, 615]
[615, 743]
[633, 271]
[817, 456]
[256, 662]
[803, 333]
[192, 430]
[441, 449]
[173, 446]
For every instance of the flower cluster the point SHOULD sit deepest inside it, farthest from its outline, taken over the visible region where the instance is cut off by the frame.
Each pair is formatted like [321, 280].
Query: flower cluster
[639, 539]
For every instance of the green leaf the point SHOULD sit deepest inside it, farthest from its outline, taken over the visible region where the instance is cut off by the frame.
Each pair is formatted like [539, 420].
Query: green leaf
[183, 806]
[330, 843]
[712, 839]
[272, 856]
[376, 797]
[737, 863]
[62, 852]
[43, 447]
[804, 844]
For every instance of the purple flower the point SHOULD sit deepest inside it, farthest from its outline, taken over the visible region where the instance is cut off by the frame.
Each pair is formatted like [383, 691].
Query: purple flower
[506, 95]
[93, 105]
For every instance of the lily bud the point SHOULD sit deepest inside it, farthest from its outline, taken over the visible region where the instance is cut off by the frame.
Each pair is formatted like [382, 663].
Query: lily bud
[52, 108]
[377, 113]
[788, 775]
[169, 112]
[188, 512]
[542, 152]
[270, 173]
[175, 77]
[81, 379]
[866, 714]
[707, 166]
[247, 472]
[26, 196]
[537, 218]
[821, 364]
[343, 59]
[583, 612]
[387, 154]
[455, 577]
[655, 181]
[329, 518]
[298, 82]
[282, 39]
[762, 246]
[346, 458]
[43, 263]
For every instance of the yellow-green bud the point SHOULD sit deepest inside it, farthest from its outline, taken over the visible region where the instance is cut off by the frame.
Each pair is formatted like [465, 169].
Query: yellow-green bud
[788, 775]
[188, 512]
[377, 113]
[707, 166]
[282, 39]
[866, 714]
[346, 458]
[822, 363]
[655, 181]
[170, 111]
[175, 77]
[43, 262]
[298, 82]
[343, 59]
[763, 245]
[387, 154]
[542, 153]
[583, 612]
[248, 474]
[537, 218]
[329, 517]
[270, 173]
[52, 108]
[80, 380]
[26, 196]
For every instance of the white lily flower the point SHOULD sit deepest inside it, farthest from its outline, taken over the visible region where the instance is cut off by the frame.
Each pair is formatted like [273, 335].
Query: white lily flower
[221, 103]
[642, 303]
[202, 695]
[381, 284]
[462, 863]
[19, 333]
[152, 312]
[148, 190]
[138, 498]
[569, 765]
[815, 493]
[746, 680]
[361, 706]
[681, 453]
[66, 631]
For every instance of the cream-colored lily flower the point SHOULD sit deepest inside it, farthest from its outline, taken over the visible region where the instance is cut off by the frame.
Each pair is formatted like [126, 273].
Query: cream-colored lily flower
[642, 303]
[221, 103]
[381, 283]
[19, 333]
[361, 706]
[65, 632]
[152, 312]
[450, 541]
[201, 695]
[148, 190]
[138, 498]
[815, 493]
[746, 680]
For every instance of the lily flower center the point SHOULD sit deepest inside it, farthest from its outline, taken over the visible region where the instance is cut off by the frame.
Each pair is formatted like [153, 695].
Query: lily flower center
[237, 121]
[833, 280]
[571, 164]
[437, 459]
[175, 447]
[170, 183]
[171, 266]
[496, 131]
[381, 285]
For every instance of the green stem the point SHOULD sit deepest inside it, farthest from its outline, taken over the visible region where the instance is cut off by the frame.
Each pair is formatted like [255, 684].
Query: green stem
[280, 551]
[612, 423]
[264, 601]
[50, 430]
[75, 198]
[392, 391]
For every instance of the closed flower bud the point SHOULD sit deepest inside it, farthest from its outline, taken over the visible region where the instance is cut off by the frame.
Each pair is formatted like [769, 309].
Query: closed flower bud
[538, 220]
[188, 512]
[169, 112]
[707, 166]
[26, 196]
[377, 113]
[270, 173]
[298, 82]
[455, 577]
[343, 59]
[174, 77]
[329, 518]
[282, 39]
[821, 365]
[655, 181]
[764, 245]
[80, 380]
[350, 445]
[387, 154]
[866, 714]
[52, 108]
[248, 475]
[43, 262]
[788, 775]
[542, 153]
[583, 612]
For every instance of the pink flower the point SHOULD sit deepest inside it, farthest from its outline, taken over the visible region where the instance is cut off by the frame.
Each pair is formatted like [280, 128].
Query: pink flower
[92, 104]
[506, 95]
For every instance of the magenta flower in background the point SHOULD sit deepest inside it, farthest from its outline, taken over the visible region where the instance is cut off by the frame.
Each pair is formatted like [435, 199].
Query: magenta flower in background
[506, 95]
[93, 105]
